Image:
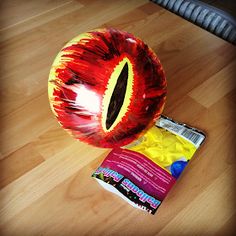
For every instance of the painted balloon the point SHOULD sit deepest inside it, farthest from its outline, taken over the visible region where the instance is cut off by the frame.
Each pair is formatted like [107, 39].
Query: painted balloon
[106, 87]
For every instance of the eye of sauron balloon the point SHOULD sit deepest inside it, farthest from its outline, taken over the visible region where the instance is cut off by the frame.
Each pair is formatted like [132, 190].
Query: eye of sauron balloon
[106, 87]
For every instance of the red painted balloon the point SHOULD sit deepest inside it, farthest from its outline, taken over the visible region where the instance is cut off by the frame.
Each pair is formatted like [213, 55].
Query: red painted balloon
[106, 87]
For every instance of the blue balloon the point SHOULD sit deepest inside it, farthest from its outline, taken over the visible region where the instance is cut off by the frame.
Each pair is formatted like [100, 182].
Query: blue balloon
[177, 167]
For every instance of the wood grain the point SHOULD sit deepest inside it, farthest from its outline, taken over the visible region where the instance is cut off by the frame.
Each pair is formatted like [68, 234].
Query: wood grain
[15, 13]
[207, 95]
[46, 188]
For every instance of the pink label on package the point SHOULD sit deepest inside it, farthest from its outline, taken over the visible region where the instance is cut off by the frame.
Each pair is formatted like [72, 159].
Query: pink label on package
[134, 166]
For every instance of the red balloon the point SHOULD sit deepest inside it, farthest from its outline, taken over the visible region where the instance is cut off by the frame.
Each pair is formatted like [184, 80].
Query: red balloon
[106, 87]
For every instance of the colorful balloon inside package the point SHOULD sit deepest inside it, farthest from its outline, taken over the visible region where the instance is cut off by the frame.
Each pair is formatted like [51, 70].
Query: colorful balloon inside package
[106, 87]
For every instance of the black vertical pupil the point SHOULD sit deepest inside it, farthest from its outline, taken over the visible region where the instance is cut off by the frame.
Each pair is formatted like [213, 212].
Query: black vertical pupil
[117, 98]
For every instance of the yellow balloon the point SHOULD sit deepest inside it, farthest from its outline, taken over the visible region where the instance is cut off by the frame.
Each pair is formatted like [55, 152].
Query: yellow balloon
[163, 147]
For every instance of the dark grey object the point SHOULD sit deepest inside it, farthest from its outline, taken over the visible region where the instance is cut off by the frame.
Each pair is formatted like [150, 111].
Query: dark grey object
[208, 17]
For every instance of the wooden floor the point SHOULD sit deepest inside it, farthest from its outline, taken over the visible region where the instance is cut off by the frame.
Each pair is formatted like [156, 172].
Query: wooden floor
[45, 181]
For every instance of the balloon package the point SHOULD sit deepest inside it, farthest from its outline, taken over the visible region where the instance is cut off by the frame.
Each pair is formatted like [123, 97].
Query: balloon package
[143, 172]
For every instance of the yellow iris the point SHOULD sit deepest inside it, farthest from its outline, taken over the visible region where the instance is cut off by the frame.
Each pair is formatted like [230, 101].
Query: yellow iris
[109, 91]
